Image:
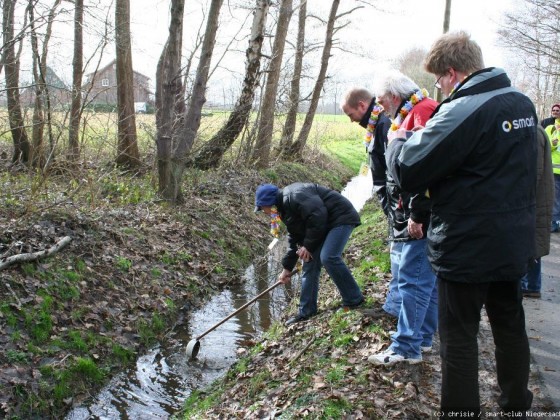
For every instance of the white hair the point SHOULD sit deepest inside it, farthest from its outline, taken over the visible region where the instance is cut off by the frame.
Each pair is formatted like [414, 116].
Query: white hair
[395, 83]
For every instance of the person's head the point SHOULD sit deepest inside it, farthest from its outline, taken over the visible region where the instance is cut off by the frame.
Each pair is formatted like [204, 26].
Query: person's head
[265, 198]
[355, 103]
[392, 89]
[452, 57]
[555, 111]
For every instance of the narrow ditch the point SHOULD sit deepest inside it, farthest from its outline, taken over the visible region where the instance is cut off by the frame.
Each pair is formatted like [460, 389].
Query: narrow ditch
[157, 386]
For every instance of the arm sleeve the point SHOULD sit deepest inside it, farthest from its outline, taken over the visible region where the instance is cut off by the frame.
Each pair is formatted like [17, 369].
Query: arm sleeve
[290, 258]
[431, 154]
[379, 164]
[315, 216]
[420, 207]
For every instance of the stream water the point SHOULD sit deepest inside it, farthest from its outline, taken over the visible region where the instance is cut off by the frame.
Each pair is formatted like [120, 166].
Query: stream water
[157, 386]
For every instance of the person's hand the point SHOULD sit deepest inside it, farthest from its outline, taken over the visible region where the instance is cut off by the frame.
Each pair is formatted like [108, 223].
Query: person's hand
[285, 276]
[415, 229]
[304, 254]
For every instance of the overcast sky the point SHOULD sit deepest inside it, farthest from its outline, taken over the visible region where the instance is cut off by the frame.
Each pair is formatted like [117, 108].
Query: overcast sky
[379, 36]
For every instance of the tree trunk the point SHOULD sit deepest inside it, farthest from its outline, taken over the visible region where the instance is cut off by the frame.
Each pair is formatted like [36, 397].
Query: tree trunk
[261, 153]
[42, 97]
[213, 151]
[291, 118]
[169, 94]
[447, 16]
[446, 21]
[11, 70]
[77, 76]
[37, 151]
[127, 150]
[191, 122]
[298, 146]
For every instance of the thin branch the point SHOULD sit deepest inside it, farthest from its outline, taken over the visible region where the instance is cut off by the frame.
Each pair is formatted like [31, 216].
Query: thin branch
[34, 256]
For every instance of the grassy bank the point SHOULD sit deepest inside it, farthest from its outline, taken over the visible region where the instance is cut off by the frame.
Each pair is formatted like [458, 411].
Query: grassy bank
[68, 323]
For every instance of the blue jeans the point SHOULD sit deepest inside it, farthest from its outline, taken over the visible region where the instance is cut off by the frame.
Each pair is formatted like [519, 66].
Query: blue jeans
[531, 282]
[393, 300]
[418, 315]
[556, 208]
[459, 320]
[329, 254]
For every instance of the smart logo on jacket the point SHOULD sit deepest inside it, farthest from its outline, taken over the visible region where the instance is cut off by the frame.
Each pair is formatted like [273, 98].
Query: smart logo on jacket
[517, 124]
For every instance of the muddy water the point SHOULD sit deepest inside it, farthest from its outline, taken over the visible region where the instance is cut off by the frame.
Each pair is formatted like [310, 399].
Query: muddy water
[163, 378]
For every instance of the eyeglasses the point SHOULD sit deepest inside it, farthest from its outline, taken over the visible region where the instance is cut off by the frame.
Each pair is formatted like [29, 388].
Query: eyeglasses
[556, 110]
[437, 85]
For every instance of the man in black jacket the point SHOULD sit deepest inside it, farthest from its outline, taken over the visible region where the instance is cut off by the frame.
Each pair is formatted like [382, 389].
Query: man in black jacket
[319, 223]
[361, 106]
[477, 157]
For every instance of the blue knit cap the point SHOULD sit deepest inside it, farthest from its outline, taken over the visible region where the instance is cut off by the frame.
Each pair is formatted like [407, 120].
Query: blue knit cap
[265, 196]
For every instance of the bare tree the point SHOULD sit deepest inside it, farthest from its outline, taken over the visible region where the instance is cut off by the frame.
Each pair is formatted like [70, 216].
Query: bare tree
[532, 34]
[169, 96]
[212, 152]
[446, 21]
[11, 70]
[261, 153]
[186, 135]
[411, 63]
[77, 76]
[299, 144]
[293, 99]
[127, 150]
[42, 97]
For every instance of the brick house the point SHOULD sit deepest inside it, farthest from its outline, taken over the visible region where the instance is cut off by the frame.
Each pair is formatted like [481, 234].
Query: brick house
[101, 87]
[60, 95]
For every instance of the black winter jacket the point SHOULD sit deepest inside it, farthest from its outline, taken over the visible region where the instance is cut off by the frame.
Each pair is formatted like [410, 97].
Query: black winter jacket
[377, 158]
[309, 211]
[477, 156]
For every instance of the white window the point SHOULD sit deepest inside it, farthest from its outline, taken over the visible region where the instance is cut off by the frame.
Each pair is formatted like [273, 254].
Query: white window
[105, 82]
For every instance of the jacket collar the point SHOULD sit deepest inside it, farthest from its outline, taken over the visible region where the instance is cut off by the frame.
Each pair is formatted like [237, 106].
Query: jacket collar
[490, 78]
[365, 118]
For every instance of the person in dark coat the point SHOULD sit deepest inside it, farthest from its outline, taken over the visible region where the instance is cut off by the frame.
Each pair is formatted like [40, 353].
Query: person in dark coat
[531, 282]
[477, 157]
[319, 223]
[360, 105]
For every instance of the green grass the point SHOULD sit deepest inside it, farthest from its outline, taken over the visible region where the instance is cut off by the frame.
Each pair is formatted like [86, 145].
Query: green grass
[335, 375]
[122, 355]
[76, 341]
[80, 375]
[336, 408]
[259, 382]
[344, 141]
[38, 321]
[198, 402]
[149, 330]
[15, 356]
[123, 264]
